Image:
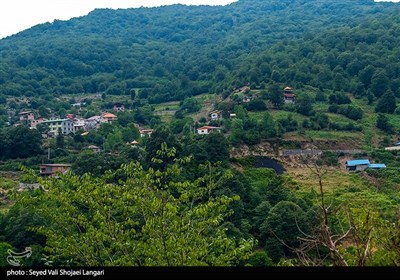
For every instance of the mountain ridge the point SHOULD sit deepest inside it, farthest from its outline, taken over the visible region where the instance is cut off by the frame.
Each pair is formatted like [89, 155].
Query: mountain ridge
[174, 51]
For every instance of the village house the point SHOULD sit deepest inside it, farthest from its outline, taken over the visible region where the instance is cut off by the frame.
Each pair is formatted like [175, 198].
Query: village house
[247, 99]
[66, 126]
[94, 148]
[395, 147]
[207, 129]
[119, 107]
[108, 117]
[92, 122]
[215, 115]
[78, 105]
[26, 116]
[145, 132]
[288, 95]
[53, 169]
[34, 123]
[362, 165]
[244, 89]
[78, 124]
[357, 165]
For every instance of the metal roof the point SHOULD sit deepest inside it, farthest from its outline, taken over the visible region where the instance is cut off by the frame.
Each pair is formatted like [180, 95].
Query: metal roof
[357, 162]
[377, 165]
[57, 120]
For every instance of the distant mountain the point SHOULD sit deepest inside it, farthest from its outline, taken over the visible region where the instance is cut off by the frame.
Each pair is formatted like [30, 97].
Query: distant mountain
[176, 51]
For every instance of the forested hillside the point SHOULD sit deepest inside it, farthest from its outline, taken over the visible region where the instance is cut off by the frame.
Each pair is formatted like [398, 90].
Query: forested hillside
[261, 133]
[177, 51]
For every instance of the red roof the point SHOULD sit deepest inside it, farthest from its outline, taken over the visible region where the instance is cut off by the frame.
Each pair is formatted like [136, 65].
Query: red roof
[24, 113]
[208, 127]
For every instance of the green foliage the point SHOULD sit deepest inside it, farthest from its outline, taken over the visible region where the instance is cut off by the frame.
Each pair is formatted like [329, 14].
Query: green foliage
[4, 247]
[387, 103]
[276, 96]
[329, 158]
[304, 105]
[20, 142]
[383, 123]
[142, 220]
[190, 105]
[211, 51]
[217, 147]
[256, 105]
[16, 223]
[259, 259]
[60, 139]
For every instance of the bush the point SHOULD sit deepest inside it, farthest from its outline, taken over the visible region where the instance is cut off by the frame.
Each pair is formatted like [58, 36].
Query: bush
[260, 259]
[256, 105]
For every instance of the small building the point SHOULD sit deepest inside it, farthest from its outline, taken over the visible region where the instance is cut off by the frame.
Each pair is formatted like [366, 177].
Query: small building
[53, 169]
[92, 122]
[79, 124]
[377, 166]
[215, 115]
[108, 118]
[232, 115]
[78, 105]
[119, 107]
[34, 123]
[207, 129]
[247, 99]
[357, 165]
[288, 96]
[133, 143]
[66, 126]
[94, 148]
[392, 148]
[145, 132]
[26, 116]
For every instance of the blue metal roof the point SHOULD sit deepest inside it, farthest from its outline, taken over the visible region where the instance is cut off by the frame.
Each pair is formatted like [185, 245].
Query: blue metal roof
[357, 162]
[377, 165]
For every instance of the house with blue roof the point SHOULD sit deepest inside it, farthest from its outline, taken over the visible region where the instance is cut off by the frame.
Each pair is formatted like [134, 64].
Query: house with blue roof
[362, 164]
[357, 164]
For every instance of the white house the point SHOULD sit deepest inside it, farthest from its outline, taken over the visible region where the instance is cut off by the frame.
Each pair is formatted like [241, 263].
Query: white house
[215, 115]
[66, 126]
[207, 129]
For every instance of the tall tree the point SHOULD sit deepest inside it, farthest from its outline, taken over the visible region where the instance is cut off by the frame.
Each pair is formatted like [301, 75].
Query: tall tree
[379, 83]
[387, 103]
[304, 105]
[383, 123]
[60, 139]
[276, 96]
[21, 142]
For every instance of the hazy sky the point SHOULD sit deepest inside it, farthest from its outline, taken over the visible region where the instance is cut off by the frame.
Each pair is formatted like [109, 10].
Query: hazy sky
[18, 15]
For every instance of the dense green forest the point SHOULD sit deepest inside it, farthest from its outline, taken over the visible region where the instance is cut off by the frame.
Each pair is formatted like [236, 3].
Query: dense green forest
[177, 51]
[228, 198]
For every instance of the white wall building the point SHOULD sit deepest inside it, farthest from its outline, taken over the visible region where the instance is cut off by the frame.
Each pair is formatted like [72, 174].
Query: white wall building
[66, 126]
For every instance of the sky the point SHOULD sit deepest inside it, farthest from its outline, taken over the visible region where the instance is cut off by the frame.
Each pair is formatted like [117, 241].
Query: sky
[18, 15]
